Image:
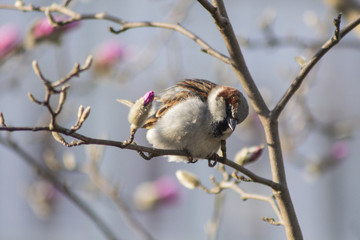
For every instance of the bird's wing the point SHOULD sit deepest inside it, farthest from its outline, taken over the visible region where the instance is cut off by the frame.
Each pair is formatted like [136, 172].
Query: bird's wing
[183, 90]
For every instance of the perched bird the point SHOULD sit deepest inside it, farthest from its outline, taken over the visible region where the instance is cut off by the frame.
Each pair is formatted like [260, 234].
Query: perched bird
[196, 116]
[138, 114]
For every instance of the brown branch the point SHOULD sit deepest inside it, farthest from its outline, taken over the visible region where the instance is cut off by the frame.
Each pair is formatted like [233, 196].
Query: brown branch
[338, 35]
[244, 196]
[112, 192]
[208, 6]
[125, 25]
[152, 151]
[63, 188]
[227, 183]
[236, 58]
[178, 28]
[287, 211]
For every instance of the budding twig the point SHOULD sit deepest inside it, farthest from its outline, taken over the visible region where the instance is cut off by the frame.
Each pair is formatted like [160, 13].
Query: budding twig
[337, 22]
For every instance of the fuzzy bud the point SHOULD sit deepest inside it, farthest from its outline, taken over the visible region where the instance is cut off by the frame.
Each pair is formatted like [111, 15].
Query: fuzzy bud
[140, 110]
[248, 154]
[187, 179]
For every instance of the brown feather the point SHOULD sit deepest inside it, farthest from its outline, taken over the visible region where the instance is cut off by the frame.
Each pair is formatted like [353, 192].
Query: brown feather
[192, 88]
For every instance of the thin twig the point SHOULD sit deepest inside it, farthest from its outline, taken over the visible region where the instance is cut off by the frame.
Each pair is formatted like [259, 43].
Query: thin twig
[125, 25]
[212, 227]
[338, 35]
[244, 196]
[113, 193]
[64, 189]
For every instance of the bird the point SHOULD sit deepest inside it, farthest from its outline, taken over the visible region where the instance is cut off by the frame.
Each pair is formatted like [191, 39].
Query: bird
[195, 116]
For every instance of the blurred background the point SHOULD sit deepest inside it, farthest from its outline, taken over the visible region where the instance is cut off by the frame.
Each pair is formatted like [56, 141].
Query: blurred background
[319, 129]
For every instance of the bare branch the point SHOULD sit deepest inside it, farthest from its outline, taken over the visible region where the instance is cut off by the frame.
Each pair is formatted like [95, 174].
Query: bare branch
[2, 120]
[178, 28]
[63, 188]
[271, 221]
[208, 6]
[154, 152]
[231, 184]
[38, 72]
[244, 196]
[237, 59]
[338, 35]
[125, 25]
[112, 192]
[75, 72]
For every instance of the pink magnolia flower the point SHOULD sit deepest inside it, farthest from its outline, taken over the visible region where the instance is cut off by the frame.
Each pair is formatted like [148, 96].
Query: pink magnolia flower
[43, 27]
[149, 195]
[340, 150]
[107, 55]
[42, 30]
[9, 39]
[167, 190]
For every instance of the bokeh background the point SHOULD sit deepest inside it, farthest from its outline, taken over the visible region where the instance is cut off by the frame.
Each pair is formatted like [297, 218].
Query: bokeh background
[320, 128]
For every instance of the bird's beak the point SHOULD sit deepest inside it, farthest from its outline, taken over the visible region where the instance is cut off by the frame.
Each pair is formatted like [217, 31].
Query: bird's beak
[231, 123]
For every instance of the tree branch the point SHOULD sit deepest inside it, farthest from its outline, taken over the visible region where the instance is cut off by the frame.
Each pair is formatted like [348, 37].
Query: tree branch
[113, 193]
[155, 151]
[338, 35]
[63, 188]
[125, 25]
[237, 59]
[291, 224]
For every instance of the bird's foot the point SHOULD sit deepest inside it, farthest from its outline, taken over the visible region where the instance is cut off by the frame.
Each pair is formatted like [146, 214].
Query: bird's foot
[213, 158]
[189, 157]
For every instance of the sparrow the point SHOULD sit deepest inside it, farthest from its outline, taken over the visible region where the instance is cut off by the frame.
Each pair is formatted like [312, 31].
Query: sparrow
[196, 116]
[138, 113]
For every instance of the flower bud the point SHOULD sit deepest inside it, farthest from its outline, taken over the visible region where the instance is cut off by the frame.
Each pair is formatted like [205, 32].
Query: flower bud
[248, 154]
[9, 39]
[150, 194]
[42, 30]
[187, 179]
[107, 56]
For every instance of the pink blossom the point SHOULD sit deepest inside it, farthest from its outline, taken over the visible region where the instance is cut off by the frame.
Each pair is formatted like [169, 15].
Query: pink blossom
[43, 27]
[167, 189]
[149, 195]
[108, 54]
[340, 150]
[9, 39]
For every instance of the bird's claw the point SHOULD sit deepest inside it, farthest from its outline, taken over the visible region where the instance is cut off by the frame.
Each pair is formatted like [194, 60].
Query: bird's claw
[190, 158]
[214, 158]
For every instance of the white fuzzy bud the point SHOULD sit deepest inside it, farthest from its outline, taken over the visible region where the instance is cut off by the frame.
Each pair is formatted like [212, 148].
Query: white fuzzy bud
[187, 179]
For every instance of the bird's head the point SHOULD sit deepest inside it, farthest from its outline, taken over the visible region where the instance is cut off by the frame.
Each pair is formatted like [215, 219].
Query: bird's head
[227, 104]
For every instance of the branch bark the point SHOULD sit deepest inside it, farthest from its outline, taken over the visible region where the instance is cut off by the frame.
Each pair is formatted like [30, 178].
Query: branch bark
[338, 35]
[125, 25]
[291, 224]
[84, 140]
